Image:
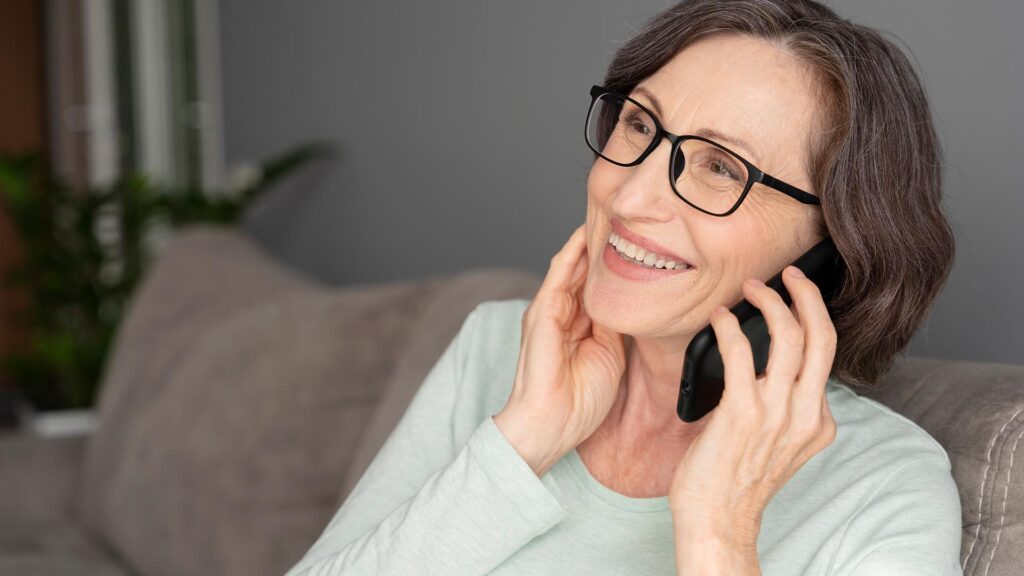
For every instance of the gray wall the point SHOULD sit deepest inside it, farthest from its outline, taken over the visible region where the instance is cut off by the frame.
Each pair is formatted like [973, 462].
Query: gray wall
[460, 129]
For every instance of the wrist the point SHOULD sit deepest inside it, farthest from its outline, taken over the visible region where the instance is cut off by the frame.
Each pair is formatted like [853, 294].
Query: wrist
[715, 556]
[540, 453]
[740, 531]
[704, 546]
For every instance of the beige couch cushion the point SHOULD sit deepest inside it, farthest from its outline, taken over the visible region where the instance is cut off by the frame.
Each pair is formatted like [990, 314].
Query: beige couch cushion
[235, 396]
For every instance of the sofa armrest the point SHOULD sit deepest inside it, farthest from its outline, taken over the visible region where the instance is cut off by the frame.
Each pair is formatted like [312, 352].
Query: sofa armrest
[976, 412]
[39, 475]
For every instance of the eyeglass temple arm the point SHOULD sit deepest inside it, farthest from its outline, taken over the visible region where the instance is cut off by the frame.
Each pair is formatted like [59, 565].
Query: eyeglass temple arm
[789, 189]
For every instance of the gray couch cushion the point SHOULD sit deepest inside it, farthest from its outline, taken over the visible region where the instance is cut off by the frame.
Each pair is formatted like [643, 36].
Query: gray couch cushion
[976, 411]
[38, 534]
[234, 398]
[39, 475]
[52, 548]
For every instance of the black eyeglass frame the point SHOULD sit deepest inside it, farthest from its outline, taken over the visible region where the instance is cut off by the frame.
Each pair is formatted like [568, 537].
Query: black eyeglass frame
[754, 174]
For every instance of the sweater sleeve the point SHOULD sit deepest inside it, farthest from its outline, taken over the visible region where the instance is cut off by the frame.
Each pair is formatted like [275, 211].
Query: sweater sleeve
[910, 527]
[427, 506]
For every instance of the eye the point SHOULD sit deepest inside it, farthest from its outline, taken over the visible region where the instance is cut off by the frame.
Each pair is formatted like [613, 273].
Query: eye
[721, 166]
[636, 123]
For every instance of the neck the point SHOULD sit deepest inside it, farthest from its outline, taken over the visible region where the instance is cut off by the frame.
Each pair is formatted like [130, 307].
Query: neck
[645, 409]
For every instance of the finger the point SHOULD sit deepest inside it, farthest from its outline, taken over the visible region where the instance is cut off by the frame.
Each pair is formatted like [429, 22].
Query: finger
[550, 296]
[787, 339]
[737, 359]
[579, 279]
[819, 337]
[823, 433]
[831, 427]
[579, 274]
[581, 324]
[563, 263]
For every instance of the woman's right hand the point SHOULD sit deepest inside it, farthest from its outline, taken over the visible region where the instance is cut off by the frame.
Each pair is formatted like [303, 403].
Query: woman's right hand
[570, 367]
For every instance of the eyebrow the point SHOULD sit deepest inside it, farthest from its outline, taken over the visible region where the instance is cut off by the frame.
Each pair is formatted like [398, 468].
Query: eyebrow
[705, 132]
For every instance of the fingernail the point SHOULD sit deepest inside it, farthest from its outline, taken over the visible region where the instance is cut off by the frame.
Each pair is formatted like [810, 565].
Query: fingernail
[796, 272]
[721, 309]
[754, 282]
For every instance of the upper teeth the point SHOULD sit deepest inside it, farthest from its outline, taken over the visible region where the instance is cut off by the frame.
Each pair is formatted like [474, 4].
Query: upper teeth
[641, 256]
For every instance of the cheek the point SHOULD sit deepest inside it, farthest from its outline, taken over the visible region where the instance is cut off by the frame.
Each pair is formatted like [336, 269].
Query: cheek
[601, 184]
[761, 234]
[735, 248]
[602, 181]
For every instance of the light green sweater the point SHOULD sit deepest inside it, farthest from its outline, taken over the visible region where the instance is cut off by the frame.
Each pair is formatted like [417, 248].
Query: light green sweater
[448, 494]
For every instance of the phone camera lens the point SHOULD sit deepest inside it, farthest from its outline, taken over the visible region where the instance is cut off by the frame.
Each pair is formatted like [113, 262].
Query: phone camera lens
[686, 387]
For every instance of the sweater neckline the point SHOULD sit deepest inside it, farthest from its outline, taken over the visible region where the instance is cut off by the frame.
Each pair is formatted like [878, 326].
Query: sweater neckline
[621, 501]
[609, 496]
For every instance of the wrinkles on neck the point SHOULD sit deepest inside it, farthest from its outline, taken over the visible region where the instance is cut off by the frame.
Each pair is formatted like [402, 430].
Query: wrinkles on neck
[643, 417]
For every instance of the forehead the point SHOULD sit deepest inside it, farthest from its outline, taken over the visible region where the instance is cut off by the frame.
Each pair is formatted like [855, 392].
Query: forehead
[739, 86]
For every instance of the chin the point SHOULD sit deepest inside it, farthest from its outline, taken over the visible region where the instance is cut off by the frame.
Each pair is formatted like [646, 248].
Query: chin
[632, 316]
[618, 311]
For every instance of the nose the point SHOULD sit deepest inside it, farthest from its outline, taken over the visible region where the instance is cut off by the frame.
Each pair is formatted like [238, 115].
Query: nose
[645, 193]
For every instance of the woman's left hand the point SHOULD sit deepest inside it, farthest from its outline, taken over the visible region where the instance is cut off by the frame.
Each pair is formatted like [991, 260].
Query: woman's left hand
[764, 427]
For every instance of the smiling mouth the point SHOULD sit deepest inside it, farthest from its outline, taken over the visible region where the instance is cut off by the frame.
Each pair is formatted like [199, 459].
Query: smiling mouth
[623, 248]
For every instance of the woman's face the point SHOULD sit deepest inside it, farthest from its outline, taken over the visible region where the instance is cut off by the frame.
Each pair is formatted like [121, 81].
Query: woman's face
[747, 90]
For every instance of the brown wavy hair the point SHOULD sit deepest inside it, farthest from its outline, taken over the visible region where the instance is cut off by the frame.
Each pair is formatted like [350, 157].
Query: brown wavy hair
[874, 160]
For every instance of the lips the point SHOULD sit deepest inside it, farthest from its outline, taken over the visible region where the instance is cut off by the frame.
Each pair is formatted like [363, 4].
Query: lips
[648, 244]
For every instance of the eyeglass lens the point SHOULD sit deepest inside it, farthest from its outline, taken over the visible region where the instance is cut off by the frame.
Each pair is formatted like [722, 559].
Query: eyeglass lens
[706, 175]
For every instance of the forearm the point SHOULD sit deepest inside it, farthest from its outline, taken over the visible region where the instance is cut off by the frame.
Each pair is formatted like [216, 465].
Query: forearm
[449, 524]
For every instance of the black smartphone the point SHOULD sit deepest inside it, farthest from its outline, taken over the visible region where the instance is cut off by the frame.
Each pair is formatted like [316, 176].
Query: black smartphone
[703, 379]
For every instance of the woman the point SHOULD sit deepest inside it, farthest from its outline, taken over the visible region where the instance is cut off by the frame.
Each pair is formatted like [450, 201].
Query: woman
[579, 464]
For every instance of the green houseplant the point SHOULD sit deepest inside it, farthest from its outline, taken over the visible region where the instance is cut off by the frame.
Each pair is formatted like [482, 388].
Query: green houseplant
[85, 250]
